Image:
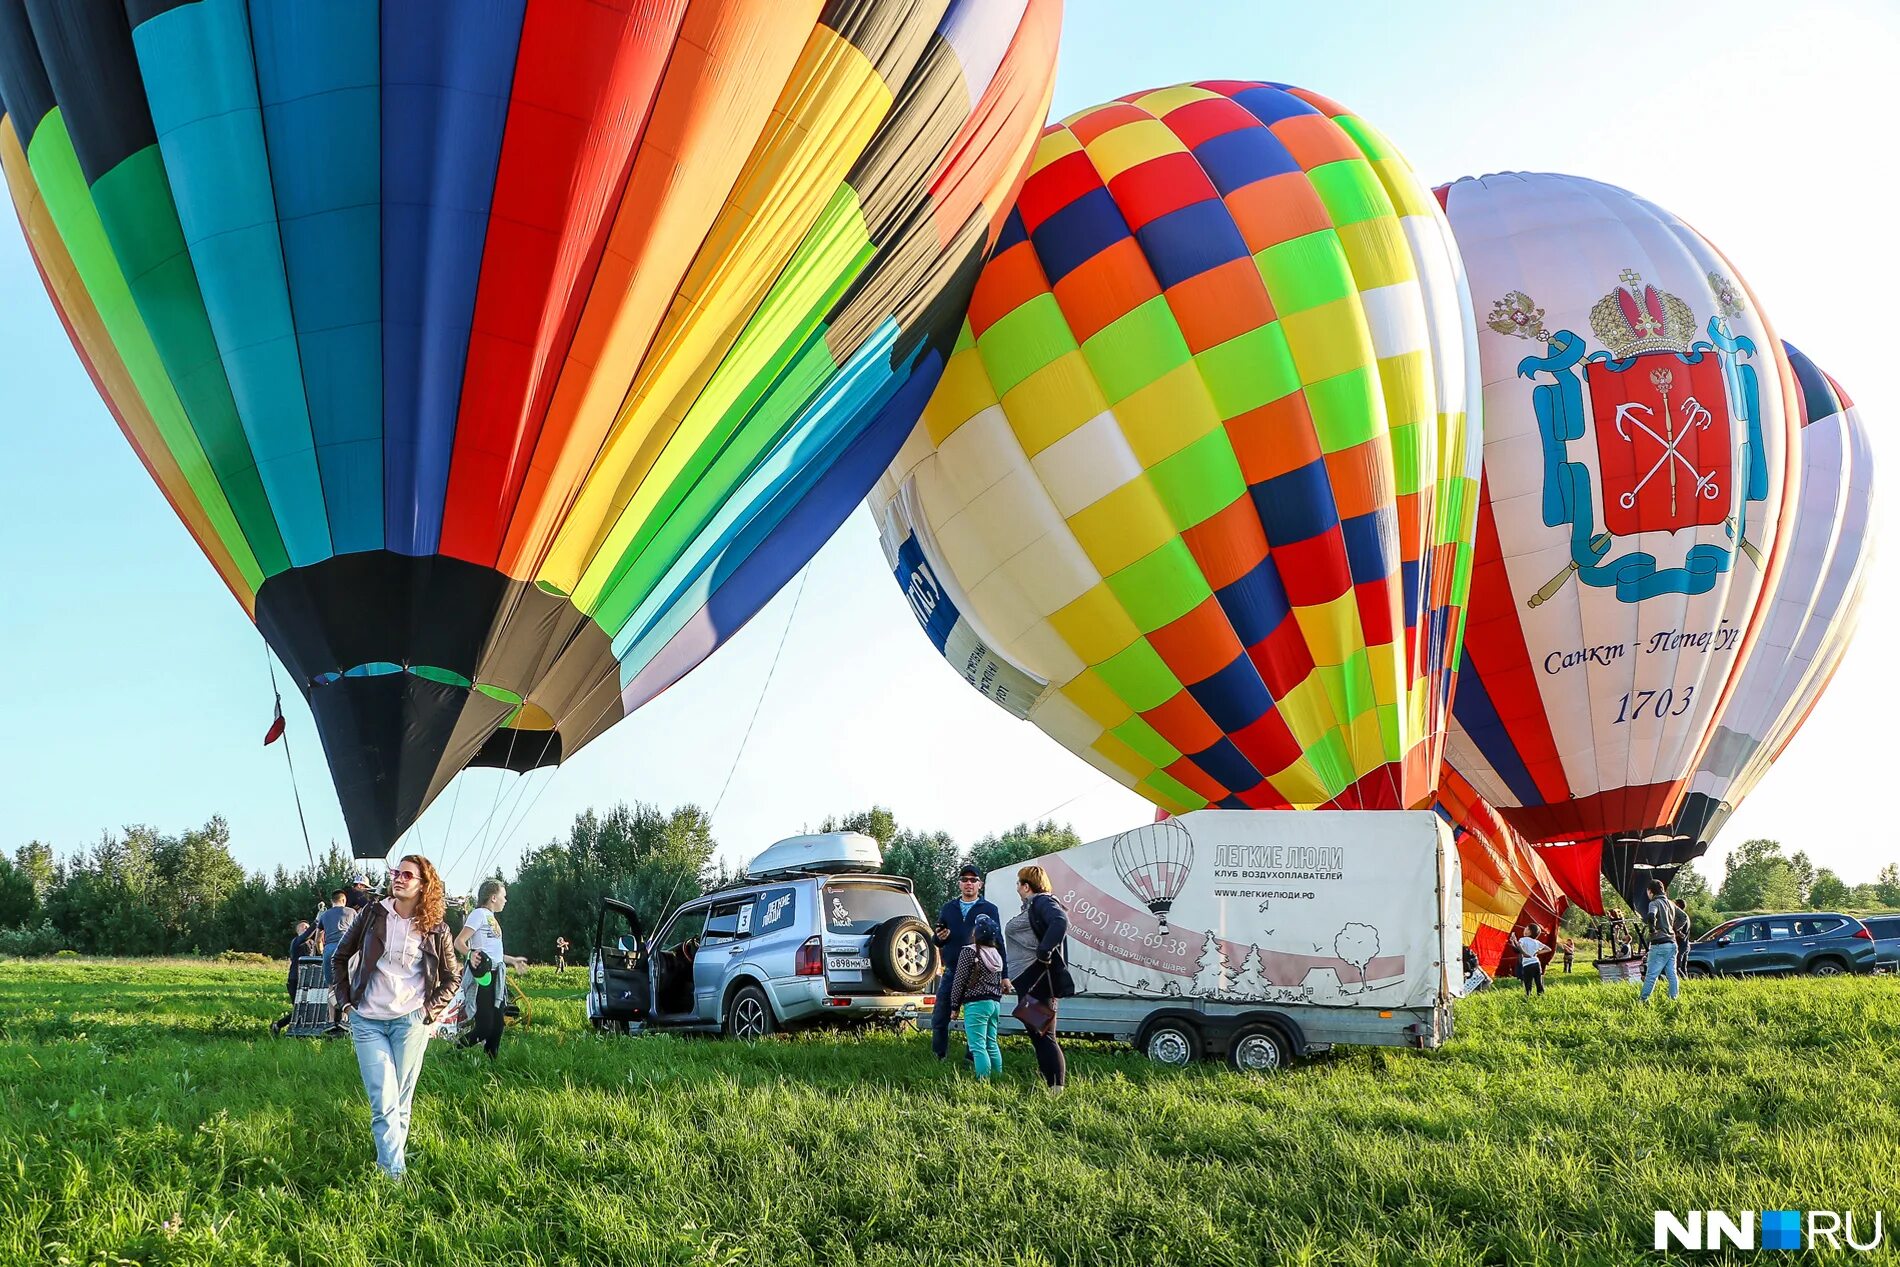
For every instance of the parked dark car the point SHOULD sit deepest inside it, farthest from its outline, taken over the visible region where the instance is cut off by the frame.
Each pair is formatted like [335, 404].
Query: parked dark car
[1822, 943]
[1886, 932]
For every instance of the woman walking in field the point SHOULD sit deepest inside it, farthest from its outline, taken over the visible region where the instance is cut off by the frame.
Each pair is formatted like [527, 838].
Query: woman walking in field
[398, 975]
[1036, 959]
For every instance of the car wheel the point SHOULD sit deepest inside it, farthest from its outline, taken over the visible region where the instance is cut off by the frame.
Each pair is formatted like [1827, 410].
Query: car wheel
[903, 954]
[749, 1015]
[1259, 1049]
[1175, 1044]
[1828, 968]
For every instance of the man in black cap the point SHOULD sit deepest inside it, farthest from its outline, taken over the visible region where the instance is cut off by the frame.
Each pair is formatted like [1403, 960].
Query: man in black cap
[954, 924]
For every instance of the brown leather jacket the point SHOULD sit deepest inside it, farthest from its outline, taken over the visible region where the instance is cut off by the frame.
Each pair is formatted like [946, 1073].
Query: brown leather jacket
[363, 945]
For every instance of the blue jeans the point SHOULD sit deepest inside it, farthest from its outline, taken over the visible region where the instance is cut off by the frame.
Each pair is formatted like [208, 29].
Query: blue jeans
[940, 1018]
[979, 1031]
[1661, 961]
[389, 1053]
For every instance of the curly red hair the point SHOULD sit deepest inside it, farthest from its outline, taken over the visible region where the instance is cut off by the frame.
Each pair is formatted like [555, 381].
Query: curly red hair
[432, 903]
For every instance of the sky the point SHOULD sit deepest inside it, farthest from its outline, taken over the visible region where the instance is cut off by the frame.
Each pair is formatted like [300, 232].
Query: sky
[136, 691]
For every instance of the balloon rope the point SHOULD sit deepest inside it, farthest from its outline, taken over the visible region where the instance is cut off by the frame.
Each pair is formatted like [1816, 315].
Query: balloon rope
[803, 576]
[278, 705]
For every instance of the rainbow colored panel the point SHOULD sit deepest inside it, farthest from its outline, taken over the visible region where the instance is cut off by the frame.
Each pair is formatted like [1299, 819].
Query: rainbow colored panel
[527, 347]
[1196, 492]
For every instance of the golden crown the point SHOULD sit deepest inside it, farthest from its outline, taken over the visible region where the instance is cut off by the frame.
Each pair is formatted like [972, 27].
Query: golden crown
[1636, 318]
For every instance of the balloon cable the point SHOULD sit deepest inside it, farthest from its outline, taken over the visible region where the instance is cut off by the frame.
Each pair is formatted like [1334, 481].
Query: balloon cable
[804, 575]
[278, 703]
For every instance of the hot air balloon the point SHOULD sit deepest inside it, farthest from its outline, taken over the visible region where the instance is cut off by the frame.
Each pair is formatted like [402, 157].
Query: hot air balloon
[1506, 884]
[1195, 493]
[1153, 860]
[506, 358]
[1638, 438]
[1810, 620]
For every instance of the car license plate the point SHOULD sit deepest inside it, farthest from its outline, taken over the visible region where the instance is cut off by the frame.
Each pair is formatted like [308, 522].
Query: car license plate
[849, 962]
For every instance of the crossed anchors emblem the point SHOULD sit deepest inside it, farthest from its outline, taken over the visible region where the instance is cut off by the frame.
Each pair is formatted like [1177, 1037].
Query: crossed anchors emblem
[1695, 417]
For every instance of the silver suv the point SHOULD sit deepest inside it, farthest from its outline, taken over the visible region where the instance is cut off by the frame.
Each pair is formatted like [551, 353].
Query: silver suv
[795, 950]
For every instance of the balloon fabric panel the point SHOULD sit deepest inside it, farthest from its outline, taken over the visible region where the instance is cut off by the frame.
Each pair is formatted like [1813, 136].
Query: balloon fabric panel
[505, 361]
[1198, 478]
[1813, 614]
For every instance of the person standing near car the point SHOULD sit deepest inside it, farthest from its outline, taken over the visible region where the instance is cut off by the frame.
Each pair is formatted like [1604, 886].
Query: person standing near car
[1682, 938]
[399, 973]
[954, 923]
[1661, 919]
[977, 988]
[1036, 960]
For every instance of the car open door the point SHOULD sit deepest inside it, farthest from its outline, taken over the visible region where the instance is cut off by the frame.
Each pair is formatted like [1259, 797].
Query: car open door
[619, 979]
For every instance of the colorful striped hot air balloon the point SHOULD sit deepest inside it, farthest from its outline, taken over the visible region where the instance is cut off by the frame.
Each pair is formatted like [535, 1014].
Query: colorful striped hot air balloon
[1195, 493]
[1506, 884]
[505, 358]
[1639, 430]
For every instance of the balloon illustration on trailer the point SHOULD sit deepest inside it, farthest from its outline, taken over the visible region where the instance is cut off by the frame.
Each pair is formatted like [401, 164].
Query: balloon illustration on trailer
[505, 360]
[1153, 860]
[1195, 493]
[1640, 428]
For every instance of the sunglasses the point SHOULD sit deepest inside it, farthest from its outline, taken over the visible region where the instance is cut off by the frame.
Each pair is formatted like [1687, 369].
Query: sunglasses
[405, 875]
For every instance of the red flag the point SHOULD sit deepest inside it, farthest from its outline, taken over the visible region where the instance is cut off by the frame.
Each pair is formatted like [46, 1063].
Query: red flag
[276, 730]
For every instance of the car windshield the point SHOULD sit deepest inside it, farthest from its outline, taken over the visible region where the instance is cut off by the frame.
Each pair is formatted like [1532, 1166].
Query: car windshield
[1720, 931]
[858, 908]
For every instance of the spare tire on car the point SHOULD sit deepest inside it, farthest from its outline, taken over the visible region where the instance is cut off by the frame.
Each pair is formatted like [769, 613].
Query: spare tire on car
[902, 954]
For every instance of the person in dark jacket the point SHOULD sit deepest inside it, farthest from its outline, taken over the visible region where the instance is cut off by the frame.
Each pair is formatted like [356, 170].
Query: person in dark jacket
[977, 988]
[1036, 964]
[1682, 937]
[359, 895]
[300, 945]
[396, 974]
[954, 922]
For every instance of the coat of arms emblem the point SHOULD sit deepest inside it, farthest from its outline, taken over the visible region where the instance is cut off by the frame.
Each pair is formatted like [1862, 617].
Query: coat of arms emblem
[1677, 425]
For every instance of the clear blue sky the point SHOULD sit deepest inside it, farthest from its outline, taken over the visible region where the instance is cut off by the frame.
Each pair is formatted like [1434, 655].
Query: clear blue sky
[136, 690]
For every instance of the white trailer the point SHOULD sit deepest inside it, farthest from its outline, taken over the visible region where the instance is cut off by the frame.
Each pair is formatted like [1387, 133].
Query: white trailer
[1258, 935]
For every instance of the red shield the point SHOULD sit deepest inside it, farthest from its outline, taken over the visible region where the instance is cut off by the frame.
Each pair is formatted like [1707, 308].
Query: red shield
[1663, 442]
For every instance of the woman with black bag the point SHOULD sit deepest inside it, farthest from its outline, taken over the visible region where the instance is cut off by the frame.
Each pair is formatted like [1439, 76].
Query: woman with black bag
[1037, 961]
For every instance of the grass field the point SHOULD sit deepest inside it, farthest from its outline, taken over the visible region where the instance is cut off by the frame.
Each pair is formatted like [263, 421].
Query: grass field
[146, 1117]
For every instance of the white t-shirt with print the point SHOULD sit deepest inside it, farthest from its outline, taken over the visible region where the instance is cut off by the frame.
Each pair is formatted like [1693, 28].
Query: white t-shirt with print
[484, 932]
[1531, 948]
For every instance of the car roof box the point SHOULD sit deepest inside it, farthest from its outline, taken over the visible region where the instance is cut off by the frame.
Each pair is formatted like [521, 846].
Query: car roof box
[823, 852]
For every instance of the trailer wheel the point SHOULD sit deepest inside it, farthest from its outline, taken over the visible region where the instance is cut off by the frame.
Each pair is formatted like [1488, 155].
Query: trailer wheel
[1174, 1043]
[1259, 1049]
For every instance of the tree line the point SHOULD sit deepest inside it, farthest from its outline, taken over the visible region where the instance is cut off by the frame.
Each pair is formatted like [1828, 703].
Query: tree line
[143, 892]
[1759, 875]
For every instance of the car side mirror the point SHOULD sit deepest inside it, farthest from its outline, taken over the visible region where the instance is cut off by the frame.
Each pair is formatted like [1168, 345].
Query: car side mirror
[1722, 941]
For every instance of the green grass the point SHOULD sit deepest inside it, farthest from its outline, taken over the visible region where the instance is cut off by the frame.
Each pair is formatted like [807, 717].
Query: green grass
[133, 1093]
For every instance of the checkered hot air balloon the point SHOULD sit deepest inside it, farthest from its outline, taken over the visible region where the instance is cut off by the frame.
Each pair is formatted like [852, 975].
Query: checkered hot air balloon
[1153, 861]
[1196, 491]
[505, 358]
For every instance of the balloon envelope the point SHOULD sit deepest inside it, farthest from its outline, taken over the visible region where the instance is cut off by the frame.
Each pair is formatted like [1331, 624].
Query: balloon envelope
[1812, 616]
[1639, 428]
[1195, 493]
[504, 358]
